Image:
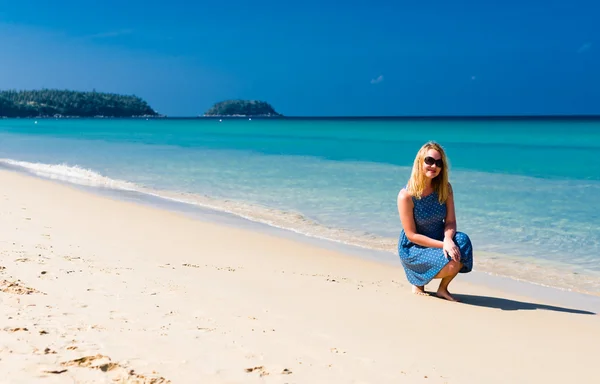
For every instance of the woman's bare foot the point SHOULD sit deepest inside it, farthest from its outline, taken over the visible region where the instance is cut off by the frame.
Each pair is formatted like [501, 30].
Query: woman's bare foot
[444, 294]
[419, 290]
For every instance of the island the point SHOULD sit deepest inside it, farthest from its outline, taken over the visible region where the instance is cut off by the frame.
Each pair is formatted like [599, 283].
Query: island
[66, 103]
[241, 108]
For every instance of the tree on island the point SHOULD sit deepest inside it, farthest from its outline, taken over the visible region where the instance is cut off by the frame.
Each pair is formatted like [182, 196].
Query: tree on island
[242, 108]
[53, 102]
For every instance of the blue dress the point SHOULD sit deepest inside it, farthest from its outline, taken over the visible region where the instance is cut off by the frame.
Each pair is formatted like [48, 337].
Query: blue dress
[420, 263]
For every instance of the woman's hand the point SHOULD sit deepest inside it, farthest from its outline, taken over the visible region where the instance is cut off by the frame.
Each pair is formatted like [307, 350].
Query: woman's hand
[451, 249]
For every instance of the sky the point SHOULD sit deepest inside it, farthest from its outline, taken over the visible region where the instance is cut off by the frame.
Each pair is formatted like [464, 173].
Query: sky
[313, 58]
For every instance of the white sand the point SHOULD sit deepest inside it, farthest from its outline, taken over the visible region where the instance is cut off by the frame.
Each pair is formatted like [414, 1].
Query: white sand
[139, 293]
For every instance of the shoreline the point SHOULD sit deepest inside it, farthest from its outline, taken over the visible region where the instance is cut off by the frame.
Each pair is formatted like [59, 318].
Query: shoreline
[212, 216]
[96, 288]
[506, 273]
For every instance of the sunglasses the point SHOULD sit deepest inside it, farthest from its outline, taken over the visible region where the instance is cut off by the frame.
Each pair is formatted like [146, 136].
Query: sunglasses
[430, 161]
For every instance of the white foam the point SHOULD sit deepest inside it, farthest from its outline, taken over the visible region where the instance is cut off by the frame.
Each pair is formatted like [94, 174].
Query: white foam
[70, 173]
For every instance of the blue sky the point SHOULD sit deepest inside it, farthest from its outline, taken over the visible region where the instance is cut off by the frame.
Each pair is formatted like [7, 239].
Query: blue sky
[314, 58]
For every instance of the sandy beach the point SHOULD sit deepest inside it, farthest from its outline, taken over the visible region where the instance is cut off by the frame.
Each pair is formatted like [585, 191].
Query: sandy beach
[97, 290]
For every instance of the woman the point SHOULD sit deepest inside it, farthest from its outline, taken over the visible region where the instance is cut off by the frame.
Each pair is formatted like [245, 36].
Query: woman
[429, 246]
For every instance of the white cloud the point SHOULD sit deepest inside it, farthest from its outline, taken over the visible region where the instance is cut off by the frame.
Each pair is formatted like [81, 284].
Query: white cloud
[585, 47]
[377, 80]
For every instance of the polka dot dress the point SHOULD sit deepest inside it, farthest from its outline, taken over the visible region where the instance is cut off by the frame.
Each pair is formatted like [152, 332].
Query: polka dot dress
[421, 264]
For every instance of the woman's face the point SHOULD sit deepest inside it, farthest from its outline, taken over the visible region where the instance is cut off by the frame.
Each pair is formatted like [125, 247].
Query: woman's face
[432, 164]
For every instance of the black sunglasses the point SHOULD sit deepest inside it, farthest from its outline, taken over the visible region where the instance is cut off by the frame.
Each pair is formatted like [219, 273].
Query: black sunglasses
[430, 160]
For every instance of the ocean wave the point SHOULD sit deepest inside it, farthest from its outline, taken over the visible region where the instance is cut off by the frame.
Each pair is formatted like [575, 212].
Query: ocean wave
[70, 173]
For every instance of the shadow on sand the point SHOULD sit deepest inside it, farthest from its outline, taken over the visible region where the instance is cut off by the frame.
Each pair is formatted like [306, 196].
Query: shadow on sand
[512, 305]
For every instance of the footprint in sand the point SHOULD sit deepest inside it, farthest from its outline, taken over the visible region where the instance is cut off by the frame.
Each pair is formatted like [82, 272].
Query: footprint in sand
[49, 351]
[56, 371]
[263, 372]
[229, 269]
[98, 361]
[16, 288]
[259, 369]
[105, 364]
[133, 377]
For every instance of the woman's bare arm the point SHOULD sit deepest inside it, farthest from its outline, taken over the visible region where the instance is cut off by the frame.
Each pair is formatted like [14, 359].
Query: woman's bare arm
[450, 226]
[450, 247]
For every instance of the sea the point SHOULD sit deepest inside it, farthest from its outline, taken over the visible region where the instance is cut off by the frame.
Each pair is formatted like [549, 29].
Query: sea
[527, 190]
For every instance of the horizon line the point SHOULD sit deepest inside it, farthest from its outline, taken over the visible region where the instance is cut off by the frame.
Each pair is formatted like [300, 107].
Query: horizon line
[329, 117]
[515, 116]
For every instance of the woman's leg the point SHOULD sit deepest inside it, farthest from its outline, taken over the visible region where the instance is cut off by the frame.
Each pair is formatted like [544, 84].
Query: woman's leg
[419, 290]
[447, 274]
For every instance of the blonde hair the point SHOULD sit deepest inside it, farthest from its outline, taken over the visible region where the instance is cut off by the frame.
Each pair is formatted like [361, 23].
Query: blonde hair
[416, 183]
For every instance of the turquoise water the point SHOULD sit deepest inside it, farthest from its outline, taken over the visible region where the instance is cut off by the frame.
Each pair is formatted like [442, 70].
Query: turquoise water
[527, 191]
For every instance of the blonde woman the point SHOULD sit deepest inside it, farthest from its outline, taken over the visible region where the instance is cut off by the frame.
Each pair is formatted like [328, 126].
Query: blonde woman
[429, 246]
